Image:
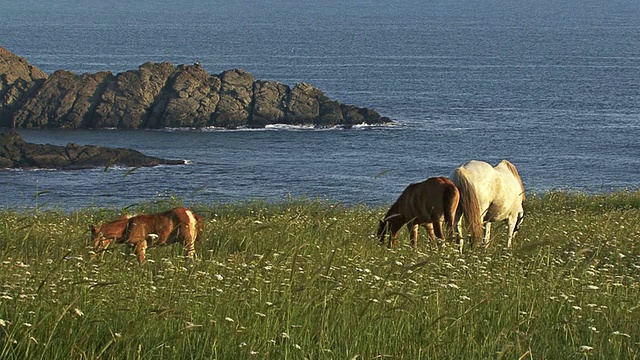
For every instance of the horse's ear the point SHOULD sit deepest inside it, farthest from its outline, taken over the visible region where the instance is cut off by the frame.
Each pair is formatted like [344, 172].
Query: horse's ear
[94, 229]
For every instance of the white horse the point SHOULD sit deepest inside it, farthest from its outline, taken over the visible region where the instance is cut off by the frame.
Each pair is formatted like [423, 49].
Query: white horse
[488, 194]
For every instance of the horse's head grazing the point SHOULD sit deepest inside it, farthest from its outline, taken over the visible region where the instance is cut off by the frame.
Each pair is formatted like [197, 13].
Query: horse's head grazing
[98, 239]
[388, 227]
[383, 227]
[105, 234]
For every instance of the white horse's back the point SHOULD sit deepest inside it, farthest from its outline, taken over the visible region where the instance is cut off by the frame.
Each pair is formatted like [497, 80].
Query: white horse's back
[489, 194]
[482, 175]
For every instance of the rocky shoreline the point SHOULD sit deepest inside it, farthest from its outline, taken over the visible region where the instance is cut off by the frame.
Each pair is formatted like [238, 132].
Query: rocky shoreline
[15, 153]
[161, 95]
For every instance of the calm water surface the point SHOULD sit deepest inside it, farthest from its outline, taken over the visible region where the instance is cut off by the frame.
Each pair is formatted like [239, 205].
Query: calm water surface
[555, 88]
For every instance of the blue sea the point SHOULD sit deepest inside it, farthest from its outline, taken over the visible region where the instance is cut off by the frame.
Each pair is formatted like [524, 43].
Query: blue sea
[552, 86]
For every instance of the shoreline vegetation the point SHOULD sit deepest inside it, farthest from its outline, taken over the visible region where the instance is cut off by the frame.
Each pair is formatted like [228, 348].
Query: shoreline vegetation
[306, 279]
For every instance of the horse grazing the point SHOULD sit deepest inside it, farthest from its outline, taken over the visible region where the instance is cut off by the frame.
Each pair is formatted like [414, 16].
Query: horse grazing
[109, 232]
[144, 230]
[427, 203]
[176, 225]
[489, 194]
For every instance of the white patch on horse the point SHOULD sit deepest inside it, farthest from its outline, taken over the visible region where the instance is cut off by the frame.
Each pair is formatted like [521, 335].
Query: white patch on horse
[193, 224]
[152, 237]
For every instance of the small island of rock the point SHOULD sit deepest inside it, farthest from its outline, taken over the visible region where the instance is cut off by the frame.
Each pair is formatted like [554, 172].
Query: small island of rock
[15, 153]
[161, 95]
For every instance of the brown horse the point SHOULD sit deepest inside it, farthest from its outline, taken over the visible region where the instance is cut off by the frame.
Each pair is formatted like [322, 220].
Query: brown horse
[427, 203]
[112, 231]
[144, 230]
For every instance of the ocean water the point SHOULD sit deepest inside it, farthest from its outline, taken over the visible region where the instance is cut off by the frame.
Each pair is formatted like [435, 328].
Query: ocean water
[554, 88]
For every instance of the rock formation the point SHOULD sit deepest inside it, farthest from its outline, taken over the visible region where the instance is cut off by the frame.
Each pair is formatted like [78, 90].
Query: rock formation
[16, 153]
[162, 95]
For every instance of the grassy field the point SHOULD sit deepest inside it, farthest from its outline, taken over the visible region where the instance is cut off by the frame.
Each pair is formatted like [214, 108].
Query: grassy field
[306, 279]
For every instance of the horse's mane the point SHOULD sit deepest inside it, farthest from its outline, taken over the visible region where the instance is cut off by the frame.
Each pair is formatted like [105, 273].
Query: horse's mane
[393, 211]
[514, 171]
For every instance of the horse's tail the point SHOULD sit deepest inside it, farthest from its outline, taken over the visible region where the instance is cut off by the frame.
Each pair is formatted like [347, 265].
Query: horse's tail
[199, 226]
[470, 204]
[450, 200]
[191, 225]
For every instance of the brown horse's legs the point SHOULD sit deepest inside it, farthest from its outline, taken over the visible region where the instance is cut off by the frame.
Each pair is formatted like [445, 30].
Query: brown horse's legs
[430, 231]
[188, 235]
[189, 247]
[393, 240]
[437, 227]
[100, 249]
[140, 250]
[451, 231]
[412, 226]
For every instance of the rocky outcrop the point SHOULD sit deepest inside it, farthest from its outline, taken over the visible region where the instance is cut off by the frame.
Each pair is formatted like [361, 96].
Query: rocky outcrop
[158, 95]
[16, 153]
[18, 82]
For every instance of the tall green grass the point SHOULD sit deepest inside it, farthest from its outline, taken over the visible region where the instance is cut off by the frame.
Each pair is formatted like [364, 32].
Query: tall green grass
[306, 279]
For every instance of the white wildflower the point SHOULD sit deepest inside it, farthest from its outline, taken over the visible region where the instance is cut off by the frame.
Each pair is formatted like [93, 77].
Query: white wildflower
[189, 325]
[620, 334]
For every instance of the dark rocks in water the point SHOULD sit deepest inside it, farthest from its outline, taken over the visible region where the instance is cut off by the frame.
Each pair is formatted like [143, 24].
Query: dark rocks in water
[18, 83]
[159, 95]
[16, 153]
